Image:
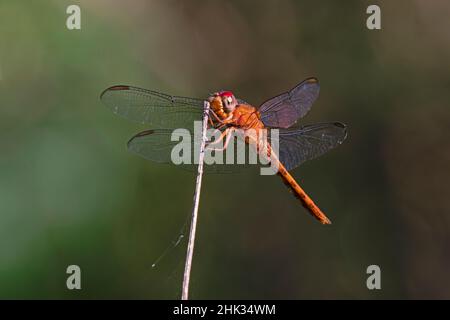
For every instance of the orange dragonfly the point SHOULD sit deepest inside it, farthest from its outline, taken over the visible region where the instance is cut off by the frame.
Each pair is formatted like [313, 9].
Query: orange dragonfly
[165, 113]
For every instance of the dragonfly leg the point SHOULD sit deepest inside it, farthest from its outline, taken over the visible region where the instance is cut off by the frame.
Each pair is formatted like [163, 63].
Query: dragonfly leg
[216, 116]
[223, 125]
[223, 122]
[219, 139]
[229, 133]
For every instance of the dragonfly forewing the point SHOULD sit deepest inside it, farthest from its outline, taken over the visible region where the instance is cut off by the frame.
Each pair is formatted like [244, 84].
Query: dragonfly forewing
[285, 109]
[156, 109]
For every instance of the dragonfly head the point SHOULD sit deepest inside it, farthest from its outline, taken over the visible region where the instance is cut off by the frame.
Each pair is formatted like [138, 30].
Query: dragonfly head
[229, 101]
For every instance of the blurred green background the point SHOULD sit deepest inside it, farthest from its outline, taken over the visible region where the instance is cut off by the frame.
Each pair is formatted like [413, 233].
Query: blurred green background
[70, 193]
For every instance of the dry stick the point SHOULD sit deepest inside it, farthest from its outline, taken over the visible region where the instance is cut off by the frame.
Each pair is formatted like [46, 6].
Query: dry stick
[198, 186]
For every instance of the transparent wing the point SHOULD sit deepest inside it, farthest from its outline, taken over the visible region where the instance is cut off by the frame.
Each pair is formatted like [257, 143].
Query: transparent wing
[157, 146]
[285, 109]
[297, 145]
[150, 107]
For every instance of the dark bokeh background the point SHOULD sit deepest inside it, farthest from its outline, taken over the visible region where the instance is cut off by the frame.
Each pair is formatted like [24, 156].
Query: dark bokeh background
[70, 193]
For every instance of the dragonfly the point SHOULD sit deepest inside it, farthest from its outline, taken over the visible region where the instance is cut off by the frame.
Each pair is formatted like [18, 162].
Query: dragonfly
[296, 143]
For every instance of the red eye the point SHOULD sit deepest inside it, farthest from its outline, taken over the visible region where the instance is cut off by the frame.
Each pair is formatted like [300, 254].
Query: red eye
[225, 94]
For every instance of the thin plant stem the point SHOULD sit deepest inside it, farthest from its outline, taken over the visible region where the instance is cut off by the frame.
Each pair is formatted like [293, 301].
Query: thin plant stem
[198, 186]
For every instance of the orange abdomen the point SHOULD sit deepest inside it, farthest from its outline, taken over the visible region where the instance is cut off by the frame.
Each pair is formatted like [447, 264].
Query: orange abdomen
[300, 194]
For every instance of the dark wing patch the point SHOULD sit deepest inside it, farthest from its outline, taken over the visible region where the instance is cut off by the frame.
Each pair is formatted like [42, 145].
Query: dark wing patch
[285, 109]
